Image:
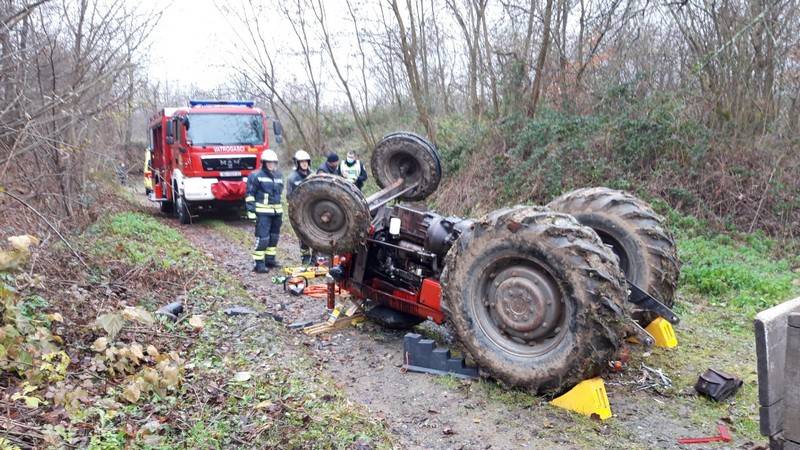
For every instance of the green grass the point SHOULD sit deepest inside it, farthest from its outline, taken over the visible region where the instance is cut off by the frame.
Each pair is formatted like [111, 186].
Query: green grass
[743, 275]
[138, 239]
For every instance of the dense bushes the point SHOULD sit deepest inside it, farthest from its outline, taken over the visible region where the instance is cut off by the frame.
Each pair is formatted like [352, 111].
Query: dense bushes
[650, 146]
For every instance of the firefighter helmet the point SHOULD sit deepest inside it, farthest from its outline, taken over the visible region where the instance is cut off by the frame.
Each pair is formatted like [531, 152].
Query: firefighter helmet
[269, 155]
[302, 155]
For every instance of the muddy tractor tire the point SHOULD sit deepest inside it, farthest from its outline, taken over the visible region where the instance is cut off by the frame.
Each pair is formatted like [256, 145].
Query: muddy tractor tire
[647, 252]
[329, 214]
[536, 298]
[408, 156]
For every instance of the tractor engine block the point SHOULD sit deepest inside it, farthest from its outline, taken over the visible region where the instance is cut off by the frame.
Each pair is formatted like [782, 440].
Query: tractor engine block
[412, 244]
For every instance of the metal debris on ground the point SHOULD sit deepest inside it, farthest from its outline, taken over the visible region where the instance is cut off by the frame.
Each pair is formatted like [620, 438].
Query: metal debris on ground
[649, 378]
[171, 310]
[238, 311]
[723, 436]
[665, 380]
[274, 317]
[300, 324]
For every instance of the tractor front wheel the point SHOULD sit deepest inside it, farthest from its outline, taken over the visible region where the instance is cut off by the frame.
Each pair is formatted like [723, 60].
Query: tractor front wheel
[536, 298]
[329, 214]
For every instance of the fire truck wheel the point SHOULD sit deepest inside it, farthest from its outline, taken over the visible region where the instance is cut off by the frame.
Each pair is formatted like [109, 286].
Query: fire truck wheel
[408, 156]
[182, 211]
[166, 207]
[536, 298]
[329, 214]
[646, 251]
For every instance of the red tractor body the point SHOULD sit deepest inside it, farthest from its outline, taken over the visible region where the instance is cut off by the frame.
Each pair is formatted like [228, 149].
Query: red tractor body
[539, 298]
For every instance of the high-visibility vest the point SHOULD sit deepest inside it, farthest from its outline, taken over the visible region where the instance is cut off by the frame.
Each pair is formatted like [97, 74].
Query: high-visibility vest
[351, 173]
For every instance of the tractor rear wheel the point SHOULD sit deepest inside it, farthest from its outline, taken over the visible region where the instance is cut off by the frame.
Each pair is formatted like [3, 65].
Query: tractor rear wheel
[329, 214]
[536, 298]
[646, 251]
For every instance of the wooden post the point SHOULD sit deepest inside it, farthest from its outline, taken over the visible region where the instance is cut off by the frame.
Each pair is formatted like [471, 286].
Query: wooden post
[331, 292]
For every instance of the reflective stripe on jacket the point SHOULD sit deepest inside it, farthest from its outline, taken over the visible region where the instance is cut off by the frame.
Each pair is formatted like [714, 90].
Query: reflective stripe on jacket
[264, 191]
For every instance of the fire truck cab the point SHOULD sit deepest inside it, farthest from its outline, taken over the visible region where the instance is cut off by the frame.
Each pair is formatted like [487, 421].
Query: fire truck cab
[201, 155]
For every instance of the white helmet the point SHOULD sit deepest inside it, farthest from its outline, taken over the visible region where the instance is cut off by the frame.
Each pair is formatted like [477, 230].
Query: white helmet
[302, 155]
[269, 155]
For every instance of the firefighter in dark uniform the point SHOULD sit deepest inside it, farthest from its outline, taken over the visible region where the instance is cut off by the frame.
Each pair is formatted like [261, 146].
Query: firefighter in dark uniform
[302, 169]
[353, 170]
[263, 200]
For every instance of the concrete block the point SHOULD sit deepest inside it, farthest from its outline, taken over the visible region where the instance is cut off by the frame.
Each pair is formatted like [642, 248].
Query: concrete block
[791, 379]
[771, 418]
[770, 331]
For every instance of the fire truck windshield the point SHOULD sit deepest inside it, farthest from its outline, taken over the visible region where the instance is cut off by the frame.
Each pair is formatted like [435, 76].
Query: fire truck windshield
[225, 129]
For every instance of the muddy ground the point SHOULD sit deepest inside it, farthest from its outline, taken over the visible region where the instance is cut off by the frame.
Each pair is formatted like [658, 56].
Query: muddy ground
[429, 412]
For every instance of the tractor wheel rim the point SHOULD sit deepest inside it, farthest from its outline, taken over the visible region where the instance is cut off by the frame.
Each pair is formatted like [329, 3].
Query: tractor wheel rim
[404, 166]
[328, 216]
[522, 308]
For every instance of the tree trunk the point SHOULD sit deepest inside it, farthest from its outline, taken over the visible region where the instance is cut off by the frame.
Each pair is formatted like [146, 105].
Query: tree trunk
[409, 50]
[539, 75]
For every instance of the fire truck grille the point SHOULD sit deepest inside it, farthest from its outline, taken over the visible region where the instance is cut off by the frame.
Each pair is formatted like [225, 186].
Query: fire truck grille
[233, 163]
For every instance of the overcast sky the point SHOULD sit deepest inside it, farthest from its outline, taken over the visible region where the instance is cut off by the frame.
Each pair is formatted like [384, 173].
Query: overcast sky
[195, 44]
[191, 44]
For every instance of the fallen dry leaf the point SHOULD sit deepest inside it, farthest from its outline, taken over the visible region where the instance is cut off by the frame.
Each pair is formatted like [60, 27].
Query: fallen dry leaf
[23, 242]
[138, 314]
[242, 376]
[196, 322]
[137, 350]
[132, 392]
[100, 344]
[170, 375]
[56, 317]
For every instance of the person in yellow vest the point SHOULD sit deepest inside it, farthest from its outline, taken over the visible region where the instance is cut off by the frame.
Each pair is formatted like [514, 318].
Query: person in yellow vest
[353, 170]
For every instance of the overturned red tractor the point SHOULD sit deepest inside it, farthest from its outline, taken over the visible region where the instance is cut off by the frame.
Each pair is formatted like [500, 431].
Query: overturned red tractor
[541, 297]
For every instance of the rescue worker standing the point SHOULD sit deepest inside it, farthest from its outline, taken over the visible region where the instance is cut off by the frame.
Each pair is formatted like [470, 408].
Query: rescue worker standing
[353, 170]
[302, 169]
[331, 165]
[263, 200]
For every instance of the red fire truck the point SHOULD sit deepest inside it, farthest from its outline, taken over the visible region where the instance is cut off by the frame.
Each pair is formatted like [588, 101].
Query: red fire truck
[201, 155]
